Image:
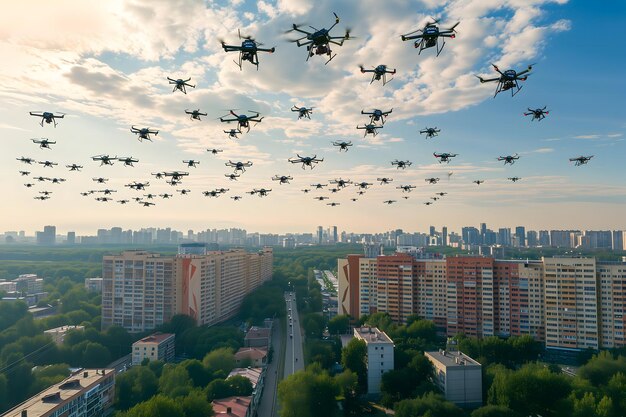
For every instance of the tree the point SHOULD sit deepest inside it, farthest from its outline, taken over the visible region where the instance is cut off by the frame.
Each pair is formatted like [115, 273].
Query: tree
[95, 355]
[431, 405]
[158, 406]
[380, 320]
[353, 357]
[309, 393]
[222, 359]
[239, 385]
[197, 372]
[10, 312]
[135, 385]
[196, 405]
[494, 411]
[339, 324]
[175, 381]
[4, 392]
[599, 370]
[320, 351]
[313, 325]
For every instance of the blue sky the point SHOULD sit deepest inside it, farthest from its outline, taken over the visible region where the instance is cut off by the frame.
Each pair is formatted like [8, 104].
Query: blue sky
[105, 65]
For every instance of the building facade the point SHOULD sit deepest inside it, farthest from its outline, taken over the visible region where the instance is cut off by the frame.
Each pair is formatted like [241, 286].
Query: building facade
[458, 376]
[380, 355]
[156, 347]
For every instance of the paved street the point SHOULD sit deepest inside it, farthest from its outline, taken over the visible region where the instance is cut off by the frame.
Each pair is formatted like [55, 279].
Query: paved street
[268, 404]
[294, 359]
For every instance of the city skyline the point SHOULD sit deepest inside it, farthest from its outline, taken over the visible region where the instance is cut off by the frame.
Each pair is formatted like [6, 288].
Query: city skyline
[108, 73]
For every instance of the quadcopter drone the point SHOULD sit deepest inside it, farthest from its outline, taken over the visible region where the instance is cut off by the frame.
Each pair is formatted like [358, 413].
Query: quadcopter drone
[24, 173]
[385, 180]
[232, 177]
[538, 114]
[509, 159]
[333, 204]
[318, 42]
[282, 179]
[180, 84]
[44, 143]
[242, 120]
[401, 164]
[28, 161]
[104, 159]
[303, 111]
[444, 157]
[236, 197]
[184, 191]
[478, 182]
[378, 73]
[239, 166]
[377, 115]
[306, 161]
[138, 186]
[508, 80]
[248, 51]
[128, 161]
[262, 192]
[343, 146]
[107, 191]
[191, 163]
[514, 179]
[74, 167]
[144, 133]
[319, 186]
[321, 198]
[428, 36]
[47, 117]
[232, 133]
[432, 180]
[47, 164]
[100, 180]
[363, 185]
[215, 151]
[581, 160]
[341, 183]
[389, 201]
[370, 128]
[166, 195]
[406, 188]
[195, 114]
[430, 132]
[176, 175]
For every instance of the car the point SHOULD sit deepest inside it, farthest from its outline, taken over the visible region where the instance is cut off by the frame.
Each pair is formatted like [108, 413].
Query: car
[291, 336]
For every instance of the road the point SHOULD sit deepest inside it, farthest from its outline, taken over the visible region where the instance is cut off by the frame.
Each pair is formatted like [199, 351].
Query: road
[268, 403]
[294, 359]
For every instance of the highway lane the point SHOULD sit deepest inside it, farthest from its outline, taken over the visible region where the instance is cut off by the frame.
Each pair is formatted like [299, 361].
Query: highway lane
[294, 358]
[268, 403]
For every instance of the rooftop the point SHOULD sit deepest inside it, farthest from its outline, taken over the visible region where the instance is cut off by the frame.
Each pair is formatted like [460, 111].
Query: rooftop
[258, 333]
[50, 398]
[156, 338]
[250, 352]
[372, 335]
[451, 358]
[63, 329]
[231, 406]
[253, 374]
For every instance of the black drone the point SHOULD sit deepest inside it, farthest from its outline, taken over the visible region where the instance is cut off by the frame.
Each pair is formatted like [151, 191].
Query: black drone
[28, 161]
[239, 166]
[236, 197]
[321, 198]
[370, 128]
[389, 201]
[48, 164]
[191, 163]
[29, 185]
[428, 203]
[478, 182]
[581, 160]
[184, 191]
[341, 183]
[406, 188]
[232, 177]
[248, 51]
[509, 159]
[306, 161]
[103, 199]
[319, 186]
[377, 115]
[261, 192]
[428, 36]
[360, 192]
[514, 179]
[444, 157]
[508, 80]
[333, 204]
[47, 117]
[43, 143]
[232, 133]
[363, 185]
[150, 196]
[214, 193]
[144, 133]
[343, 146]
[215, 151]
[41, 179]
[41, 197]
[401, 164]
[176, 175]
[128, 161]
[24, 173]
[100, 180]
[538, 114]
[432, 180]
[318, 42]
[166, 195]
[378, 73]
[334, 190]
[282, 179]
[430, 132]
[146, 203]
[104, 159]
[242, 120]
[57, 180]
[195, 114]
[74, 167]
[441, 194]
[180, 84]
[45, 192]
[385, 180]
[303, 111]
[123, 201]
[306, 190]
[137, 186]
[107, 191]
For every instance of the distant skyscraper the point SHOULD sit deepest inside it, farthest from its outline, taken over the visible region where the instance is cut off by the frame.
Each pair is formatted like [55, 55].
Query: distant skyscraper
[320, 234]
[544, 238]
[432, 231]
[335, 235]
[48, 236]
[619, 239]
[504, 236]
[71, 238]
[470, 235]
[532, 238]
[520, 234]
[444, 236]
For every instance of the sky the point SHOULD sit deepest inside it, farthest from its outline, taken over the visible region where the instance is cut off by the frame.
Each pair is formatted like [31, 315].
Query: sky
[105, 65]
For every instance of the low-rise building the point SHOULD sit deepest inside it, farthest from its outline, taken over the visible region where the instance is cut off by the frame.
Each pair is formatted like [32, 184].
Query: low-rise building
[93, 284]
[250, 356]
[458, 376]
[257, 337]
[158, 346]
[232, 407]
[256, 376]
[380, 355]
[58, 333]
[85, 393]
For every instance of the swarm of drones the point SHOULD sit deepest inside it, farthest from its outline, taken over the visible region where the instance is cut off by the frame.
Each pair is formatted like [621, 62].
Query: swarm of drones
[317, 42]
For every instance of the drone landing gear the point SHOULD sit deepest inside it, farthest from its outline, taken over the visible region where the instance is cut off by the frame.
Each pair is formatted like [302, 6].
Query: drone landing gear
[440, 49]
[330, 59]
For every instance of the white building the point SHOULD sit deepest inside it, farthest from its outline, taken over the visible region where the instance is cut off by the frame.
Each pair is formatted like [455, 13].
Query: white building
[93, 284]
[458, 376]
[159, 346]
[58, 333]
[379, 355]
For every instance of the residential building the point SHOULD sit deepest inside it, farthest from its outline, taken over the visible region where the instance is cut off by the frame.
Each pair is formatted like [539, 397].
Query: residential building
[93, 284]
[395, 286]
[458, 376]
[380, 355]
[28, 284]
[256, 376]
[251, 356]
[612, 280]
[85, 393]
[258, 337]
[232, 407]
[48, 236]
[58, 333]
[156, 347]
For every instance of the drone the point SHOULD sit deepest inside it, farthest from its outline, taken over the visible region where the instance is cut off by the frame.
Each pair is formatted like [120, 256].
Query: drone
[318, 42]
[282, 179]
[74, 167]
[214, 193]
[150, 196]
[47, 117]
[478, 182]
[128, 161]
[318, 186]
[363, 185]
[41, 179]
[24, 173]
[146, 203]
[137, 199]
[28, 161]
[232, 177]
[581, 160]
[370, 128]
[107, 191]
[191, 163]
[401, 164]
[379, 72]
[56, 180]
[306, 161]
[173, 182]
[303, 111]
[321, 198]
[158, 175]
[333, 204]
[195, 114]
[441, 194]
[103, 199]
[432, 180]
[176, 175]
[509, 159]
[429, 36]
[508, 80]
[104, 159]
[341, 183]
[428, 203]
[44, 143]
[29, 185]
[385, 180]
[138, 185]
[239, 166]
[100, 180]
[45, 192]
[122, 201]
[236, 197]
[215, 151]
[41, 197]
[514, 179]
[343, 146]
[406, 188]
[48, 164]
[538, 114]
[232, 133]
[306, 190]
[360, 192]
[144, 133]
[184, 191]
[434, 198]
[354, 199]
[180, 84]
[248, 51]
[334, 190]
[444, 157]
[389, 201]
[242, 120]
[262, 192]
[223, 190]
[377, 115]
[430, 132]
[86, 193]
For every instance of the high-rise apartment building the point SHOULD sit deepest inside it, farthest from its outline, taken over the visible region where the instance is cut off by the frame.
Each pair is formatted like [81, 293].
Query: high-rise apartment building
[520, 235]
[320, 235]
[48, 236]
[612, 279]
[532, 239]
[544, 238]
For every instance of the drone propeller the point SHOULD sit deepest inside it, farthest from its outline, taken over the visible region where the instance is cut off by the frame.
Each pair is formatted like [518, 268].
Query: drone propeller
[454, 26]
[347, 35]
[295, 26]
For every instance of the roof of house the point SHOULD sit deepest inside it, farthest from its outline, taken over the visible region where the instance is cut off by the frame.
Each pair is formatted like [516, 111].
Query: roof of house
[258, 333]
[238, 406]
[252, 374]
[156, 338]
[250, 353]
